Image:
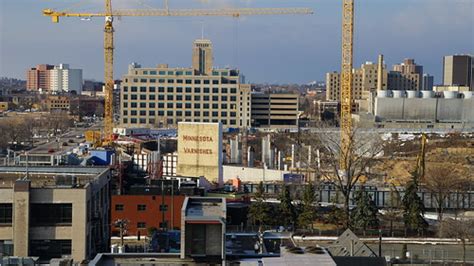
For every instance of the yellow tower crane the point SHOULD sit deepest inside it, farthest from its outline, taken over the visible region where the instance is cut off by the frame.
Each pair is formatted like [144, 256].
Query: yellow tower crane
[109, 15]
[346, 81]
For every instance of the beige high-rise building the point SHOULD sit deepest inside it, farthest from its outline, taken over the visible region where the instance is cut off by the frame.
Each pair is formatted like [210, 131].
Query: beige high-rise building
[202, 57]
[364, 79]
[164, 96]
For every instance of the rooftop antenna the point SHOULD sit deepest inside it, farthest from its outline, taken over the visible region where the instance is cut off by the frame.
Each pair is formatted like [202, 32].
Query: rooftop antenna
[202, 29]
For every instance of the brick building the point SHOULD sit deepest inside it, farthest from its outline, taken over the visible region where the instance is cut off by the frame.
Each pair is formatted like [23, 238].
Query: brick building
[146, 211]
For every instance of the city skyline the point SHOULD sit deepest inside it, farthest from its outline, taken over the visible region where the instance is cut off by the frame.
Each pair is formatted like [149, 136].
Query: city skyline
[310, 47]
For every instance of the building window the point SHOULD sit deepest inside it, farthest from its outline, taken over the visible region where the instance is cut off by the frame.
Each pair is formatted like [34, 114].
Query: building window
[197, 90]
[151, 105]
[188, 97]
[51, 214]
[50, 248]
[125, 120]
[188, 89]
[142, 97]
[206, 106]
[169, 97]
[143, 80]
[151, 113]
[119, 207]
[143, 113]
[179, 105]
[161, 89]
[179, 89]
[151, 97]
[197, 106]
[187, 105]
[169, 105]
[141, 207]
[142, 89]
[215, 81]
[170, 89]
[134, 89]
[206, 113]
[142, 105]
[164, 225]
[215, 98]
[141, 225]
[133, 120]
[189, 81]
[163, 207]
[224, 98]
[215, 114]
[6, 213]
[197, 81]
[169, 113]
[179, 97]
[197, 97]
[179, 113]
[170, 80]
[180, 81]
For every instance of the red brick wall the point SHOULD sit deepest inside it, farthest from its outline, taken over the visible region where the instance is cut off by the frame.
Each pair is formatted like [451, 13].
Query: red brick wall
[152, 216]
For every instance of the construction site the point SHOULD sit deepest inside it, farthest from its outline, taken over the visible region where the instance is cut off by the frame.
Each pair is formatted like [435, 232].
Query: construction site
[197, 187]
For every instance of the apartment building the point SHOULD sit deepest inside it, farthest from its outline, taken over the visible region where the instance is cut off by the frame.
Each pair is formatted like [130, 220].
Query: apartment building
[65, 79]
[274, 110]
[164, 96]
[50, 78]
[364, 79]
[38, 77]
[54, 212]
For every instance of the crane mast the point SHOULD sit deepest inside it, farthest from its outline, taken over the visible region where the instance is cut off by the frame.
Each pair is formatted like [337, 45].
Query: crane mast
[109, 14]
[108, 71]
[346, 81]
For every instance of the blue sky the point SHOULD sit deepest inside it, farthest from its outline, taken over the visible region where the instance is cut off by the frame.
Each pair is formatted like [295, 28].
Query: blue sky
[273, 49]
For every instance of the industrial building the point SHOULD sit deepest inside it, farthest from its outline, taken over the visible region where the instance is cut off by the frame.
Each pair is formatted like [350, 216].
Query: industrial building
[425, 109]
[275, 110]
[164, 96]
[54, 212]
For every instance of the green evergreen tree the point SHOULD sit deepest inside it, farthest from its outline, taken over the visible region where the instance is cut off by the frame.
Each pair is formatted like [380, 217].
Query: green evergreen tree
[413, 207]
[259, 210]
[286, 208]
[308, 213]
[364, 215]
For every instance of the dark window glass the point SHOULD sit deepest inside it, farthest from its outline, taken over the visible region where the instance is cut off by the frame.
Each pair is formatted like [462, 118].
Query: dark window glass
[6, 213]
[50, 248]
[141, 225]
[119, 207]
[141, 207]
[51, 213]
[142, 89]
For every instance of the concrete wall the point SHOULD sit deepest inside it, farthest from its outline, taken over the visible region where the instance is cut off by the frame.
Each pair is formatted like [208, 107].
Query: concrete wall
[247, 174]
[417, 109]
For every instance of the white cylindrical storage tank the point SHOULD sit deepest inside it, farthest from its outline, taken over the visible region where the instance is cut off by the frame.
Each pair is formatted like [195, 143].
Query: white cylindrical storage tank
[450, 94]
[382, 94]
[468, 94]
[412, 94]
[427, 94]
[398, 94]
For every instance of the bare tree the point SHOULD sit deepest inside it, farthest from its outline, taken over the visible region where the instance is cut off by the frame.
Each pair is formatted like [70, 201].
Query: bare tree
[461, 229]
[363, 149]
[443, 179]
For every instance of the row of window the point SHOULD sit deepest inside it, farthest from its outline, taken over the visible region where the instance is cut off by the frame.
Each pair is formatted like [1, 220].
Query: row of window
[161, 97]
[140, 207]
[181, 72]
[183, 81]
[171, 121]
[178, 105]
[180, 89]
[178, 113]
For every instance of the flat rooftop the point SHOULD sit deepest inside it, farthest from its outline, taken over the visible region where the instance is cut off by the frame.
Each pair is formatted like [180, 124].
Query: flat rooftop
[51, 177]
[205, 208]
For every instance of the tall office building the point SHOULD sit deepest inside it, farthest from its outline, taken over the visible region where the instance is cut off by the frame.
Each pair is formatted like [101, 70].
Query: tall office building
[65, 79]
[364, 79]
[458, 70]
[38, 77]
[164, 96]
[428, 82]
